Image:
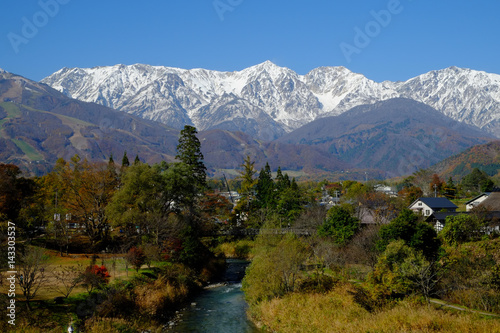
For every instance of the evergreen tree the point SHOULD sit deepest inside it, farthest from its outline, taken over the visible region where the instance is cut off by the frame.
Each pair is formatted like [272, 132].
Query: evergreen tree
[290, 202]
[189, 152]
[137, 160]
[450, 190]
[416, 234]
[265, 188]
[340, 225]
[282, 181]
[125, 161]
[477, 181]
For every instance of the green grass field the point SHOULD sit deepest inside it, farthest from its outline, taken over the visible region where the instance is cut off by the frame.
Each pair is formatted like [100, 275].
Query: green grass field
[12, 111]
[29, 150]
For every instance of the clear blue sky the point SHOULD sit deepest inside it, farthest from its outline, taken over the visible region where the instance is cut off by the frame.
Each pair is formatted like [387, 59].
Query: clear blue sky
[420, 35]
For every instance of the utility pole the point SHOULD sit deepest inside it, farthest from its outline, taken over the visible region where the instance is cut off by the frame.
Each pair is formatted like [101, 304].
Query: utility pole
[228, 190]
[435, 190]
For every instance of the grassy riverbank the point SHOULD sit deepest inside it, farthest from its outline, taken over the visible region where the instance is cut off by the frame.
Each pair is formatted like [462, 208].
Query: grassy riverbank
[131, 301]
[241, 249]
[336, 311]
[290, 287]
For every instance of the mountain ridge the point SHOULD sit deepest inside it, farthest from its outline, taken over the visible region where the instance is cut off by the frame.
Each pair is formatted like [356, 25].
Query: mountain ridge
[38, 125]
[276, 97]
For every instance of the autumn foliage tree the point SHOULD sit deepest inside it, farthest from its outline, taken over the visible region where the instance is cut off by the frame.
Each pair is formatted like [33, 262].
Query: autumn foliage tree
[149, 197]
[437, 185]
[136, 257]
[248, 184]
[85, 191]
[94, 277]
[410, 194]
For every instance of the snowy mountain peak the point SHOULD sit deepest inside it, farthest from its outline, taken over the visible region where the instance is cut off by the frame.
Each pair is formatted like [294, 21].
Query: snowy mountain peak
[276, 98]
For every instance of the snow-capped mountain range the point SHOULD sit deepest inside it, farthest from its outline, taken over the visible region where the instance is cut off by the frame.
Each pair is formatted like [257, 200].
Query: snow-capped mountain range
[267, 101]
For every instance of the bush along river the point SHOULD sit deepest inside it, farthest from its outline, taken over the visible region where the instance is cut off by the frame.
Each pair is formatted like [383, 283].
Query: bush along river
[219, 308]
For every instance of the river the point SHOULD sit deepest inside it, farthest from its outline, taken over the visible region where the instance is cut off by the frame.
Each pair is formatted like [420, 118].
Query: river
[220, 308]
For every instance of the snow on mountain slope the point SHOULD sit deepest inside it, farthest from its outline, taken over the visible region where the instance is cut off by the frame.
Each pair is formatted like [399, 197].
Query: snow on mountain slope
[272, 97]
[465, 95]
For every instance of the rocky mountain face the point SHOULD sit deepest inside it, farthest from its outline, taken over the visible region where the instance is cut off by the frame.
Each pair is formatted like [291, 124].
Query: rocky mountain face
[267, 101]
[38, 125]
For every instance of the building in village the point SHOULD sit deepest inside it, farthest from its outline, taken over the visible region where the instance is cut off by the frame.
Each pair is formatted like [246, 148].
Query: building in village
[428, 206]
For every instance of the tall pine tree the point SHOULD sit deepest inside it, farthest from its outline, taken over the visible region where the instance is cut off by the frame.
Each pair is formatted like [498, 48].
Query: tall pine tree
[265, 188]
[125, 161]
[189, 152]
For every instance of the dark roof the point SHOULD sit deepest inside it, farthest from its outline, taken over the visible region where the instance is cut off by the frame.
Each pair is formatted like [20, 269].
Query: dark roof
[436, 203]
[441, 216]
[493, 218]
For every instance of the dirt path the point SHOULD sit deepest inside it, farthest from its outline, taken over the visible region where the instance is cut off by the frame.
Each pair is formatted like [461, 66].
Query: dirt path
[442, 303]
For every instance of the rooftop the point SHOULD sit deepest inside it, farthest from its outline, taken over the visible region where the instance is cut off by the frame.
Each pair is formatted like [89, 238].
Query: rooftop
[436, 203]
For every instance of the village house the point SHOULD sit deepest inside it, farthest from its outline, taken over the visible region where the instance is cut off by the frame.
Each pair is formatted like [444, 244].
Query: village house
[387, 190]
[427, 206]
[488, 207]
[492, 202]
[471, 204]
[438, 219]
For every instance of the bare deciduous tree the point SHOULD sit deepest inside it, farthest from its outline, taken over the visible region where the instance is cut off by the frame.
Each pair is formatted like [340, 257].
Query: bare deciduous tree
[32, 271]
[67, 278]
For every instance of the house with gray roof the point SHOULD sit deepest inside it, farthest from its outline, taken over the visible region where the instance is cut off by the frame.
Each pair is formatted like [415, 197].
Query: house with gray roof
[474, 202]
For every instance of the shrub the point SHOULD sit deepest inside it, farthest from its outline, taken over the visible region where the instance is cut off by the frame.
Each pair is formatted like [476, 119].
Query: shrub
[110, 326]
[460, 229]
[336, 311]
[403, 270]
[94, 277]
[118, 302]
[317, 283]
[238, 249]
[156, 298]
[275, 268]
[136, 257]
